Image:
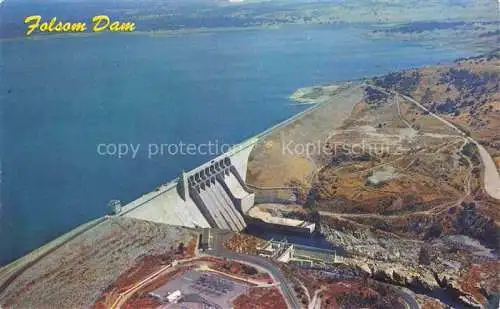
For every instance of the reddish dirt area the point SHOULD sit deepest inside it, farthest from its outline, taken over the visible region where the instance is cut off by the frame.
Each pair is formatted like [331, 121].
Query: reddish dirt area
[358, 293]
[110, 295]
[241, 270]
[260, 298]
[141, 303]
[481, 276]
[149, 264]
[340, 292]
[431, 304]
[242, 243]
[144, 267]
[141, 299]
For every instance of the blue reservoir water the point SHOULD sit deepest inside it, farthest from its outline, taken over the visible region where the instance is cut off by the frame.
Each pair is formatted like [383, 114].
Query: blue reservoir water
[63, 97]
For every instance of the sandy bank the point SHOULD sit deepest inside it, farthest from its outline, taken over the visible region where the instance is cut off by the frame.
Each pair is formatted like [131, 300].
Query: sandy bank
[315, 94]
[286, 154]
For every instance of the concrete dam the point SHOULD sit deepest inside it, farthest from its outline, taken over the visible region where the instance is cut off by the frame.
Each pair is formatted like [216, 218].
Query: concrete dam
[212, 195]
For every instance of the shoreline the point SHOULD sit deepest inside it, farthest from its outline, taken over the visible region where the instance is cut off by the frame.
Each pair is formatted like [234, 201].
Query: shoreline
[272, 165]
[314, 94]
[178, 32]
[40, 252]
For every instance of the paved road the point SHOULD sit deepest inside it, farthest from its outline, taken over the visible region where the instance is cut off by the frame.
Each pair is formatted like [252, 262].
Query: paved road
[491, 176]
[284, 285]
[408, 297]
[291, 299]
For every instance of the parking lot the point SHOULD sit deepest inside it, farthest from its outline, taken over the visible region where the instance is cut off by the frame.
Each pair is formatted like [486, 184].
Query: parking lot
[203, 288]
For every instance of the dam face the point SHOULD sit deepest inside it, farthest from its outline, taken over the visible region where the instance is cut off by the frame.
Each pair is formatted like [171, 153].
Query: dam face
[212, 195]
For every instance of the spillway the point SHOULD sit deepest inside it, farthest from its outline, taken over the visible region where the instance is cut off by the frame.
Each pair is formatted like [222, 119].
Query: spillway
[214, 210]
[216, 197]
[233, 211]
[212, 195]
[224, 209]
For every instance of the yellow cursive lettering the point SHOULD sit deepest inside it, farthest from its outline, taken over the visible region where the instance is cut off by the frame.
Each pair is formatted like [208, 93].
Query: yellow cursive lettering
[35, 20]
[78, 27]
[100, 23]
[51, 24]
[122, 27]
[115, 26]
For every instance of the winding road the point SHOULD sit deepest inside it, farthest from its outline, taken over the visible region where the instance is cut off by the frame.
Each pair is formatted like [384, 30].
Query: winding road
[491, 179]
[286, 290]
[491, 175]
[291, 299]
[408, 297]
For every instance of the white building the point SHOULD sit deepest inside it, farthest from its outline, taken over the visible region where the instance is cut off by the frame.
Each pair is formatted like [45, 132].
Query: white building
[174, 297]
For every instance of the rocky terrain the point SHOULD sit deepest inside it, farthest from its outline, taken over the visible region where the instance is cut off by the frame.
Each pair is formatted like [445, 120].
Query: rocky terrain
[344, 287]
[399, 189]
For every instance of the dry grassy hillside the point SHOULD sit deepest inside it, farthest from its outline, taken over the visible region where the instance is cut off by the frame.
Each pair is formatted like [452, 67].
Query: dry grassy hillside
[467, 93]
[75, 275]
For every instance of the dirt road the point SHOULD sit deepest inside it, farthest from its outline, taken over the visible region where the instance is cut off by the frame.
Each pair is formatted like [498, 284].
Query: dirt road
[491, 178]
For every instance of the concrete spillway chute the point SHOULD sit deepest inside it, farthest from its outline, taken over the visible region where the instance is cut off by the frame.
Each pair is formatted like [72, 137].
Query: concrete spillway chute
[212, 195]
